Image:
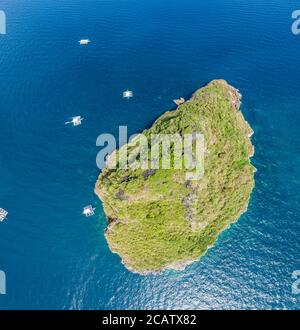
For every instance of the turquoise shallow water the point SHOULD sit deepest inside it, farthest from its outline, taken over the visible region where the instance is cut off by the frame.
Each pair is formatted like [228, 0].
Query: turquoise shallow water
[55, 258]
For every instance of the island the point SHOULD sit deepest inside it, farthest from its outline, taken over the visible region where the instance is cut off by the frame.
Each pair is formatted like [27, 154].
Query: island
[159, 220]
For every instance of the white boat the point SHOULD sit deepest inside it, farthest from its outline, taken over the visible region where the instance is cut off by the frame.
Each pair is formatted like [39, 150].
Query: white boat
[88, 211]
[84, 41]
[127, 94]
[75, 121]
[3, 214]
[179, 101]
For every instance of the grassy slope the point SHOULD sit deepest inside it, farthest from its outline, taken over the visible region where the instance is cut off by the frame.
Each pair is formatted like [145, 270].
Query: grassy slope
[150, 228]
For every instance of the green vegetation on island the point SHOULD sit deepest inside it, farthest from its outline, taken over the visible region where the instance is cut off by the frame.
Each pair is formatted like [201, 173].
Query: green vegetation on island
[160, 220]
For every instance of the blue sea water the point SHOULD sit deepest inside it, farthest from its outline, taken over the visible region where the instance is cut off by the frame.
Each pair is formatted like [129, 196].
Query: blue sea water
[53, 257]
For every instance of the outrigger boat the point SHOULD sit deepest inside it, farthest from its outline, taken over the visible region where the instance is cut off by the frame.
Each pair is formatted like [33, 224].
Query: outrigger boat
[127, 94]
[75, 121]
[179, 101]
[3, 214]
[89, 211]
[84, 41]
